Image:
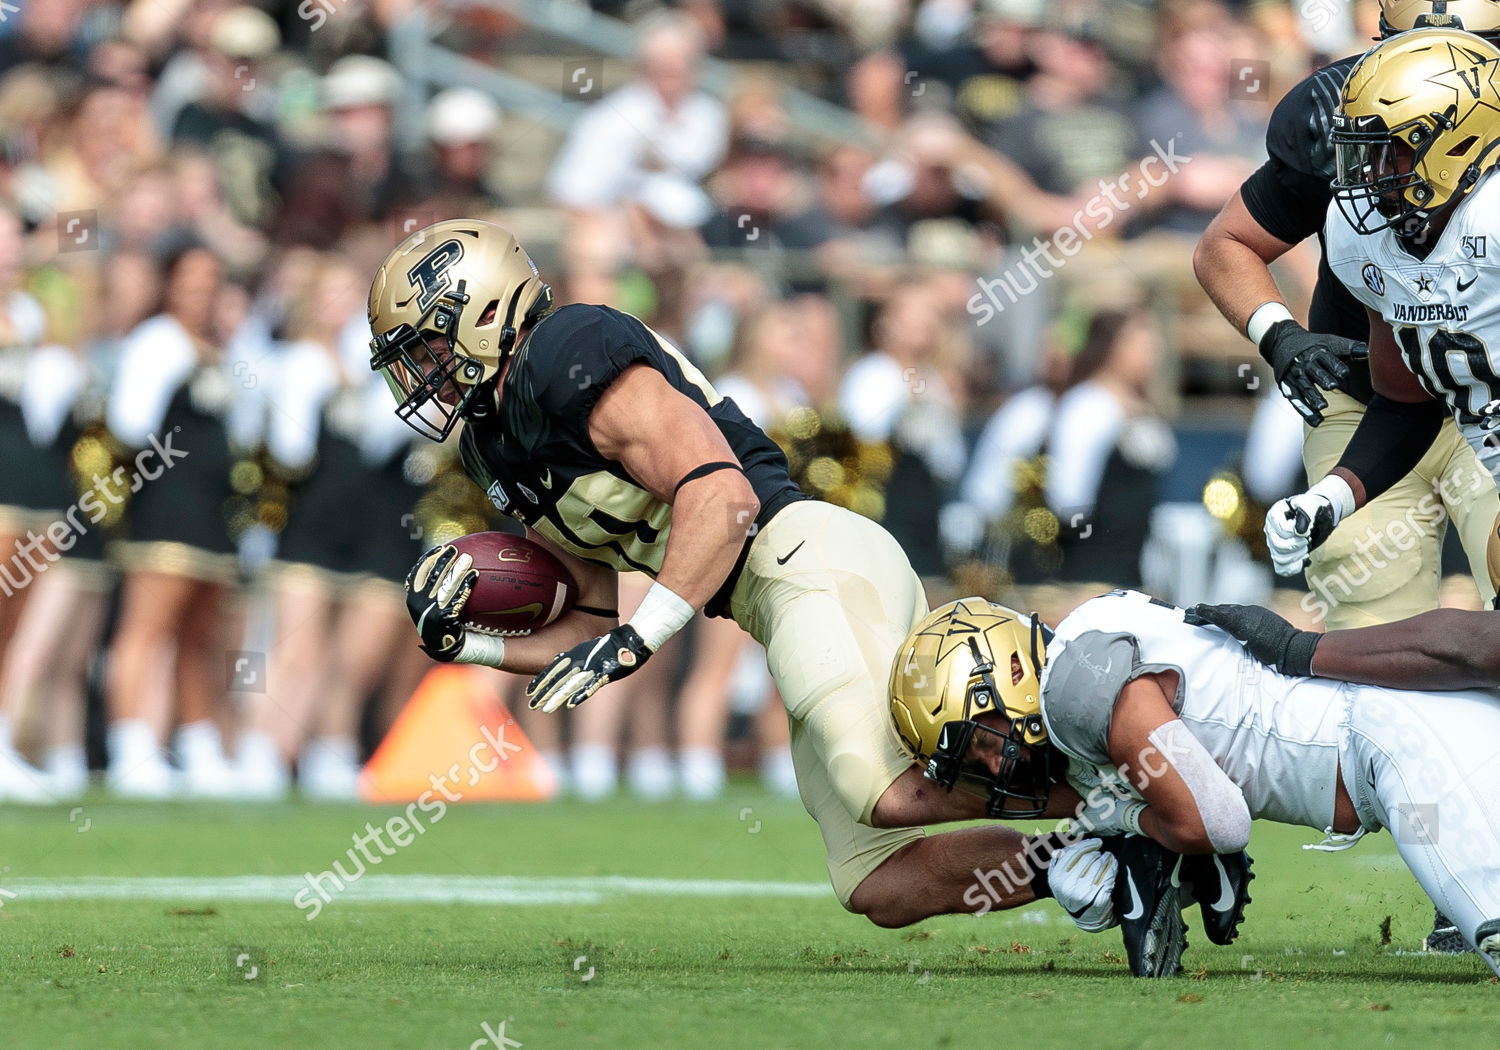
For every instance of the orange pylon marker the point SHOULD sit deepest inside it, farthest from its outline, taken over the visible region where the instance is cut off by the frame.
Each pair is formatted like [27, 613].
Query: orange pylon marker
[456, 732]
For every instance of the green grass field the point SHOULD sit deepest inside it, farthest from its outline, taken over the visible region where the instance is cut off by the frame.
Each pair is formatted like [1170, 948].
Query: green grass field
[722, 961]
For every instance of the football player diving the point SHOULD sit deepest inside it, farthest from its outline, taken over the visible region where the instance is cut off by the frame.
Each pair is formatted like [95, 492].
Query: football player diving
[1323, 372]
[618, 455]
[1172, 713]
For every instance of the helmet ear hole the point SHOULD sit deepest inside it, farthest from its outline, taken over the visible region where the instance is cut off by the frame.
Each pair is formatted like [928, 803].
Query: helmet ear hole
[489, 315]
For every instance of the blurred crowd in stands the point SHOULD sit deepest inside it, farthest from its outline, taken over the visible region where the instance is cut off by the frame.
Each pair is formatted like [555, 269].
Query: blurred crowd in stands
[941, 250]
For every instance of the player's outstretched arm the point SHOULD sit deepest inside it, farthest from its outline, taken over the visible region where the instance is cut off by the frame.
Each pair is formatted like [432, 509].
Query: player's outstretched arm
[1441, 649]
[673, 450]
[1191, 804]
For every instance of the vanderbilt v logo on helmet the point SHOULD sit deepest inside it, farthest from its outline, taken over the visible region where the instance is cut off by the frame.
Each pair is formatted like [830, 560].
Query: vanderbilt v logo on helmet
[968, 659]
[1418, 122]
[445, 307]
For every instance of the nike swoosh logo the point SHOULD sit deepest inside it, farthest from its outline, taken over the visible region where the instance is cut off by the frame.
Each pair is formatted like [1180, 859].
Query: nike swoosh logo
[1137, 909]
[423, 618]
[794, 550]
[1465, 287]
[1226, 892]
[534, 608]
[546, 479]
[1370, 775]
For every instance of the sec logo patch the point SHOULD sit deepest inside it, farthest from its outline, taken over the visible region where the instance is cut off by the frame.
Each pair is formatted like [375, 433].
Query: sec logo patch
[1374, 279]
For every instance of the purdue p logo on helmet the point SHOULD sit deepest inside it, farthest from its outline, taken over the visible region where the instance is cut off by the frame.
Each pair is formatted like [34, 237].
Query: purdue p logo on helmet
[1418, 123]
[445, 309]
[966, 660]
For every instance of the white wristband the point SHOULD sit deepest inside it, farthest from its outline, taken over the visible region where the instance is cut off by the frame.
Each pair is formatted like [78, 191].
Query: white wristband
[1265, 315]
[1131, 818]
[1337, 491]
[481, 648]
[660, 615]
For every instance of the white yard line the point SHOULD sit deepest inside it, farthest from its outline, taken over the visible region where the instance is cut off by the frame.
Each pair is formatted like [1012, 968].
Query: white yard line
[424, 889]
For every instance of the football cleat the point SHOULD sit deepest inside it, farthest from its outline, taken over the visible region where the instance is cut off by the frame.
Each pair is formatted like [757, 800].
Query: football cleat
[1445, 938]
[1220, 884]
[1148, 903]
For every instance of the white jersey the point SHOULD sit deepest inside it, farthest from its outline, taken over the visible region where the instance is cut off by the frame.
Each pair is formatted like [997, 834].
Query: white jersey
[1276, 737]
[1422, 764]
[1444, 309]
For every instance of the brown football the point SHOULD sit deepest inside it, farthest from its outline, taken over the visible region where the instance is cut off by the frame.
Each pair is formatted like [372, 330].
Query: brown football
[521, 585]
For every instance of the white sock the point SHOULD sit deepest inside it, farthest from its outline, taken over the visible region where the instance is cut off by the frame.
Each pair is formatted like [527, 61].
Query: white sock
[649, 771]
[200, 742]
[131, 743]
[594, 771]
[340, 749]
[778, 773]
[701, 772]
[67, 760]
[258, 749]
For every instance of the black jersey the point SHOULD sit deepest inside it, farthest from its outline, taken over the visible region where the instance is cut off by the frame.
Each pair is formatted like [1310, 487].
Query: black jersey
[1289, 196]
[537, 463]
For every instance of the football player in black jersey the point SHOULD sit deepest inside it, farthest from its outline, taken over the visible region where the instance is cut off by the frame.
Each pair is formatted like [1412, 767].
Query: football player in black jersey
[618, 455]
[1280, 205]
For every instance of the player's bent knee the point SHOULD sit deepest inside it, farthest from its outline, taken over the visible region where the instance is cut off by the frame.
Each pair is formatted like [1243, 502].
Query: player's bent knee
[885, 895]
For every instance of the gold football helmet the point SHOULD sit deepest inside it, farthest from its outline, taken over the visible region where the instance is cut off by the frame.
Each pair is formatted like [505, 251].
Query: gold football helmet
[1417, 124]
[967, 659]
[445, 307]
[1481, 17]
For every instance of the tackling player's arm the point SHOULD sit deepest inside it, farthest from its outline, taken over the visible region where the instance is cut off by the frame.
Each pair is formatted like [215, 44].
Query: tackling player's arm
[1191, 804]
[913, 801]
[673, 450]
[1441, 649]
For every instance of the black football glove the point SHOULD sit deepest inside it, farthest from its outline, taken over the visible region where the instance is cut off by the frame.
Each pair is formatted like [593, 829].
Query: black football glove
[1304, 361]
[436, 589]
[1267, 637]
[574, 676]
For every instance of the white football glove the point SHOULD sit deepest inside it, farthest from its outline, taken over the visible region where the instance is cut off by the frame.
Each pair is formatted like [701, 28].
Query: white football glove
[1082, 879]
[1298, 525]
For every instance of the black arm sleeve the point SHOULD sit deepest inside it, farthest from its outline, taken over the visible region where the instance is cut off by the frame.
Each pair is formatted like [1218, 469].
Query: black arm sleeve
[1390, 440]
